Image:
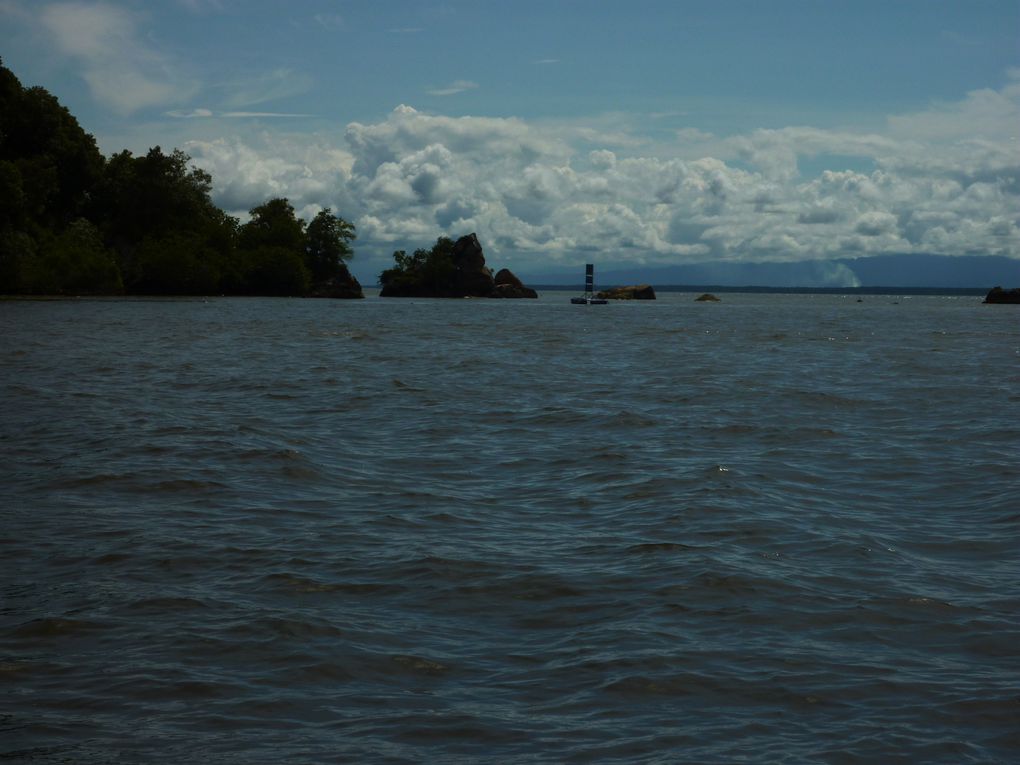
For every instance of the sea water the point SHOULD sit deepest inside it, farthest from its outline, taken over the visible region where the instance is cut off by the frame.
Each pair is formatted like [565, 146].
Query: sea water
[777, 528]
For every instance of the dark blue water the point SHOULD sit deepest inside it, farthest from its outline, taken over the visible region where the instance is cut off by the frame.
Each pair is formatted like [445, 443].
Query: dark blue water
[780, 528]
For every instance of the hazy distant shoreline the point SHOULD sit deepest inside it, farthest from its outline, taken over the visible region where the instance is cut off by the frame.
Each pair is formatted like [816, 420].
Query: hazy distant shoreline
[980, 291]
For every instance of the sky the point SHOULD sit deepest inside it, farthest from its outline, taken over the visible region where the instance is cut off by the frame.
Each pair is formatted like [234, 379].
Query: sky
[633, 134]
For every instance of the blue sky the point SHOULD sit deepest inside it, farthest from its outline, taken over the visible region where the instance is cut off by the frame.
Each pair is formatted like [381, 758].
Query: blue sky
[639, 133]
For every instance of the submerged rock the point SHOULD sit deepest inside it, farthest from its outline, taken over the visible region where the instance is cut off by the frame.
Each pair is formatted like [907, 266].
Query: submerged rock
[708, 297]
[999, 295]
[632, 292]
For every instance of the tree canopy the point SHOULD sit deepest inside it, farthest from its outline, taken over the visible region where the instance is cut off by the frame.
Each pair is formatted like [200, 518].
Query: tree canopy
[328, 245]
[73, 222]
[424, 271]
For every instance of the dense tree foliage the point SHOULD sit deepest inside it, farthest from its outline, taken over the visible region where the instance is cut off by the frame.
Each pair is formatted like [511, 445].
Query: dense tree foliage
[425, 270]
[72, 222]
[53, 160]
[169, 237]
[284, 257]
[48, 166]
[272, 249]
[328, 245]
[73, 261]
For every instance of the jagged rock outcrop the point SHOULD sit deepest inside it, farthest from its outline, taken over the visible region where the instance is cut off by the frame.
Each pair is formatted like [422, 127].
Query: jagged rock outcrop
[999, 295]
[471, 277]
[632, 292]
[509, 286]
[344, 286]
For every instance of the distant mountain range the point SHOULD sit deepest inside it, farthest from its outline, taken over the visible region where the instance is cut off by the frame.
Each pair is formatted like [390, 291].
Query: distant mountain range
[936, 271]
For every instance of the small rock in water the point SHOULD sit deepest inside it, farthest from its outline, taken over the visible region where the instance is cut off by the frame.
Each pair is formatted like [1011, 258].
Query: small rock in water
[508, 285]
[999, 295]
[632, 292]
[708, 297]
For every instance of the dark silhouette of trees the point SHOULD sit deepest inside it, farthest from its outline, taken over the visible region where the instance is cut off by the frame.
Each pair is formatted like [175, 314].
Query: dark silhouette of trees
[426, 271]
[169, 237]
[48, 166]
[74, 222]
[271, 246]
[73, 261]
[328, 245]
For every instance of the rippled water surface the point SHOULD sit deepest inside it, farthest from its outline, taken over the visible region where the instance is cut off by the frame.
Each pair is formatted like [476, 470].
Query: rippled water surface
[780, 528]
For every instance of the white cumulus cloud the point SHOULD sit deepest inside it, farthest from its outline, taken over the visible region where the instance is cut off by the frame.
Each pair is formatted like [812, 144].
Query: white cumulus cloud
[541, 194]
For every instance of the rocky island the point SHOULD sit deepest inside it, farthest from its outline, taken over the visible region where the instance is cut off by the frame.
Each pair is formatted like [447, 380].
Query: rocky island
[449, 270]
[343, 285]
[999, 295]
[632, 292]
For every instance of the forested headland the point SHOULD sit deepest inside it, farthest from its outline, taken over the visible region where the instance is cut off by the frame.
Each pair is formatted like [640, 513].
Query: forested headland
[73, 222]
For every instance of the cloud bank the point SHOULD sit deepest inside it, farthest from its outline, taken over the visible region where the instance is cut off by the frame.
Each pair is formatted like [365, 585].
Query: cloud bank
[543, 195]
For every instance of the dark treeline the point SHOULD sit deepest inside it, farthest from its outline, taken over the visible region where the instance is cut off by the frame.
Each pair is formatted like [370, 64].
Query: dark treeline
[426, 271]
[74, 222]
